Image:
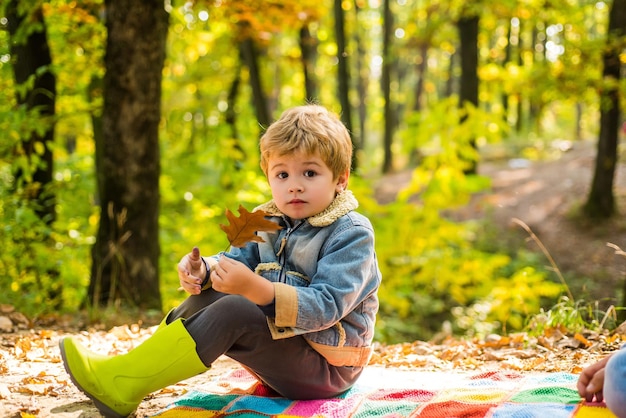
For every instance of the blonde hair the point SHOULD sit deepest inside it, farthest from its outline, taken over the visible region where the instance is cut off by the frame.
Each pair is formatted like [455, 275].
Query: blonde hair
[311, 129]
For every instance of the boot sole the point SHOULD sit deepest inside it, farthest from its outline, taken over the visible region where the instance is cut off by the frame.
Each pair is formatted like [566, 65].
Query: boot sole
[103, 408]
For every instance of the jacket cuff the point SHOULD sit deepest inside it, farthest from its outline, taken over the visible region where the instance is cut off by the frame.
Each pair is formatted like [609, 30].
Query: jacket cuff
[286, 299]
[206, 283]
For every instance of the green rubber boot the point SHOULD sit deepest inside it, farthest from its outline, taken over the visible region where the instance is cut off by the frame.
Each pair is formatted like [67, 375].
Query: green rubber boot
[118, 384]
[163, 322]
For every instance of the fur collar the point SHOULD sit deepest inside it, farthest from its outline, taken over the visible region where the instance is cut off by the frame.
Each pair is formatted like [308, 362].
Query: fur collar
[344, 202]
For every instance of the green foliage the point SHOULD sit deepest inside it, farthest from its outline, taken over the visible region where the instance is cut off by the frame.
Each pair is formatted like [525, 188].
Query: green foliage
[576, 315]
[448, 133]
[571, 316]
[45, 269]
[433, 273]
[436, 271]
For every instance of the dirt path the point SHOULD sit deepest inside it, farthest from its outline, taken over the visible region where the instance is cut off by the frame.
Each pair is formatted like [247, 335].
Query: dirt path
[546, 196]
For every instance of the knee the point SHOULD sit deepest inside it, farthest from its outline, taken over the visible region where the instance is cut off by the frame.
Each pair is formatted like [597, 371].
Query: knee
[194, 304]
[235, 311]
[238, 305]
[228, 314]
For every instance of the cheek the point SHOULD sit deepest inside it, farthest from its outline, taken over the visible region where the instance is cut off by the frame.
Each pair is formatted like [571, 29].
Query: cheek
[275, 187]
[272, 183]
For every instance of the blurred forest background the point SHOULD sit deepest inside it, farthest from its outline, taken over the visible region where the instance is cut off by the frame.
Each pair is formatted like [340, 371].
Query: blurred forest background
[129, 127]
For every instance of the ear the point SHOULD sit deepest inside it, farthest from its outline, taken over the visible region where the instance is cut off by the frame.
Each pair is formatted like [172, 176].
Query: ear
[342, 182]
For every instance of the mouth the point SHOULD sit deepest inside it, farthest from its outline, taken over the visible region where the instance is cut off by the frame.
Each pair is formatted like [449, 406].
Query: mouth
[296, 201]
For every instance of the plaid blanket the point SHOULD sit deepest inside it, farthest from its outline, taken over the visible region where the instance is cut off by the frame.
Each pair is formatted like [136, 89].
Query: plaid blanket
[397, 393]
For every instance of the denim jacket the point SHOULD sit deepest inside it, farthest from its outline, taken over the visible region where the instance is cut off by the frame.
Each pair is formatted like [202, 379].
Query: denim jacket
[325, 276]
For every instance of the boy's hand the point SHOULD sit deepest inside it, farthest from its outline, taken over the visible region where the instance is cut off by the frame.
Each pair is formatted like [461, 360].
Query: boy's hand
[591, 381]
[191, 272]
[233, 277]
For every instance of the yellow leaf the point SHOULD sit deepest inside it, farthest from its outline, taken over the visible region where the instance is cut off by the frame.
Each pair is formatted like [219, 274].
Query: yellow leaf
[582, 339]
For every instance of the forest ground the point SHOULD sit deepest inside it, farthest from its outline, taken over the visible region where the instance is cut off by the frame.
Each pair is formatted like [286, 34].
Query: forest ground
[544, 195]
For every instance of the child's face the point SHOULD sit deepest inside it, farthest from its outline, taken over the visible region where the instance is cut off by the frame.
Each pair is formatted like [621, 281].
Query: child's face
[302, 185]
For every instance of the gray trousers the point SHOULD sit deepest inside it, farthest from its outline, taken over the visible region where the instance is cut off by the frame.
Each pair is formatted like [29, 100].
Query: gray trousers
[234, 326]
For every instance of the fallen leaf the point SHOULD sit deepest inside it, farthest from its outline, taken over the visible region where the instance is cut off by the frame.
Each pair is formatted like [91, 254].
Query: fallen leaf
[5, 393]
[22, 347]
[578, 336]
[243, 229]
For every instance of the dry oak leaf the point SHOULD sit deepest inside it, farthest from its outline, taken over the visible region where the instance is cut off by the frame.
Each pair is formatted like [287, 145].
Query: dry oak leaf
[242, 230]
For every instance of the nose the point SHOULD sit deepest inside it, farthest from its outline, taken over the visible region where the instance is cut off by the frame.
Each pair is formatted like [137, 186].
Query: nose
[296, 188]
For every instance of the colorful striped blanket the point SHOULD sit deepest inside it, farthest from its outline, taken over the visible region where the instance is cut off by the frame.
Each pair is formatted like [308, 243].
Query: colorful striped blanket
[396, 393]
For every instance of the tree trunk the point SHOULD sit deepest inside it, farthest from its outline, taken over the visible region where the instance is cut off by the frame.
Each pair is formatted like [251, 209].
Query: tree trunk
[362, 80]
[250, 57]
[386, 88]
[534, 102]
[32, 59]
[601, 201]
[449, 83]
[519, 113]
[308, 48]
[230, 116]
[468, 33]
[125, 256]
[343, 76]
[505, 61]
[421, 76]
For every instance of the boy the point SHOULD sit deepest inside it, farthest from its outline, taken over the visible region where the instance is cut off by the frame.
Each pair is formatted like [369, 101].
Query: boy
[297, 310]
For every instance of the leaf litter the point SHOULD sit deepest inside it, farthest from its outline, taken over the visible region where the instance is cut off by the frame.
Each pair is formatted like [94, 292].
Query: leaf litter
[33, 382]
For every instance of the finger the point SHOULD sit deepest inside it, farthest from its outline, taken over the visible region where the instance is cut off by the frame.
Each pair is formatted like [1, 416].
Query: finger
[183, 266]
[190, 280]
[216, 278]
[599, 397]
[581, 386]
[195, 262]
[189, 288]
[226, 263]
[219, 266]
[596, 383]
[185, 277]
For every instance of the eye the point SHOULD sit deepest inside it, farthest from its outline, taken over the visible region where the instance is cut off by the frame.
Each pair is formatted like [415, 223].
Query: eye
[310, 173]
[282, 175]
